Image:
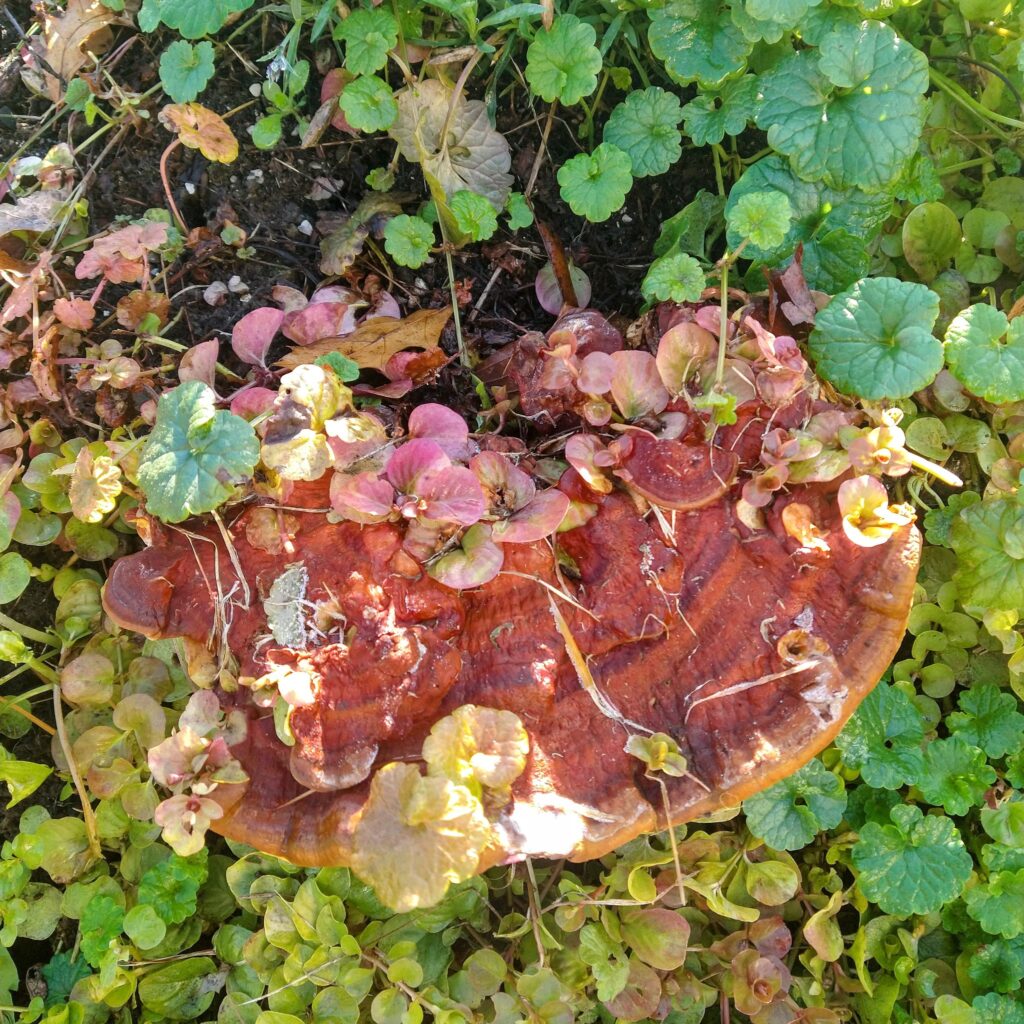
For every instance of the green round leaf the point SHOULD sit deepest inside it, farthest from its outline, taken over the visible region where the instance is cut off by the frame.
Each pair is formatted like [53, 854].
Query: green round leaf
[562, 63]
[15, 575]
[985, 352]
[645, 127]
[989, 718]
[368, 104]
[987, 539]
[408, 240]
[850, 113]
[708, 118]
[595, 185]
[931, 238]
[368, 33]
[144, 926]
[196, 454]
[874, 340]
[788, 815]
[185, 70]
[913, 866]
[474, 215]
[518, 210]
[698, 41]
[191, 18]
[679, 278]
[998, 905]
[883, 739]
[763, 217]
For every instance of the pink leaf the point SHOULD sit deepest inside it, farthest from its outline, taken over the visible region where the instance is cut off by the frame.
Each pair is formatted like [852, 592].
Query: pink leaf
[549, 295]
[333, 85]
[252, 402]
[252, 336]
[363, 498]
[412, 460]
[319, 320]
[597, 371]
[291, 300]
[452, 495]
[507, 487]
[202, 713]
[443, 426]
[475, 563]
[637, 388]
[10, 508]
[334, 293]
[588, 457]
[200, 362]
[384, 304]
[681, 351]
[535, 521]
[78, 314]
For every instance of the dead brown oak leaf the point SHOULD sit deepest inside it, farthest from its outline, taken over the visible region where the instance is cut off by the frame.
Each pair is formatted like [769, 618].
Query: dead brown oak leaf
[374, 342]
[67, 41]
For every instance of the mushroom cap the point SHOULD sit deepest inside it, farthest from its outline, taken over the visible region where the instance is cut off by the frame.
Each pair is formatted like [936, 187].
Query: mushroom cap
[750, 651]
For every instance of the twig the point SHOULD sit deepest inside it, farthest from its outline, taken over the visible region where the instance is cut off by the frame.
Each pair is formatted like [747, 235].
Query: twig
[171, 147]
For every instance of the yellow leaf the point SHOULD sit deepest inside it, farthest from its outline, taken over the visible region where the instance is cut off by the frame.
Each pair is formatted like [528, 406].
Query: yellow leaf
[200, 128]
[477, 745]
[416, 836]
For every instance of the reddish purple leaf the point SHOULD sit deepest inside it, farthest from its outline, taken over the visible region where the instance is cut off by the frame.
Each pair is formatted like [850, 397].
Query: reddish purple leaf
[252, 336]
[200, 362]
[507, 487]
[597, 371]
[534, 521]
[353, 436]
[363, 498]
[549, 295]
[319, 320]
[637, 389]
[681, 351]
[589, 457]
[473, 564]
[445, 427]
[252, 402]
[410, 462]
[452, 495]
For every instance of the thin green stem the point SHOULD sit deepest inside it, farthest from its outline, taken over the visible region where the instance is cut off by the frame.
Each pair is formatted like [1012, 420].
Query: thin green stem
[37, 636]
[177, 346]
[971, 105]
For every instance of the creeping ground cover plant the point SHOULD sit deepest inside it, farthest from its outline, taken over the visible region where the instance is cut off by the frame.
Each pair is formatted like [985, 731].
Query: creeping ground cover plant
[512, 512]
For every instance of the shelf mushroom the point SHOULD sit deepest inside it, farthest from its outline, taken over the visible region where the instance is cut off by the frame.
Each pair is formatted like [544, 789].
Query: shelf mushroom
[745, 648]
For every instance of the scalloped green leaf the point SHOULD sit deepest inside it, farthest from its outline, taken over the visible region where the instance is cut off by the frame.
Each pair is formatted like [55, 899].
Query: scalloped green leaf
[875, 339]
[915, 865]
[368, 33]
[562, 63]
[788, 815]
[883, 739]
[851, 113]
[988, 539]
[985, 352]
[698, 41]
[708, 118]
[645, 126]
[196, 454]
[956, 775]
[818, 213]
[595, 184]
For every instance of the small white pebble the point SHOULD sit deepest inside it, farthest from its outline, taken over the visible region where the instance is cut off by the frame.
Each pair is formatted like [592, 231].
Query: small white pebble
[190, 188]
[216, 294]
[305, 227]
[237, 285]
[255, 89]
[626, 219]
[255, 176]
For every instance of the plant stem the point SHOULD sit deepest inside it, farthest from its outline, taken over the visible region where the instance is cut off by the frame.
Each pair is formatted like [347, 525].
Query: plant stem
[87, 814]
[171, 147]
[28, 632]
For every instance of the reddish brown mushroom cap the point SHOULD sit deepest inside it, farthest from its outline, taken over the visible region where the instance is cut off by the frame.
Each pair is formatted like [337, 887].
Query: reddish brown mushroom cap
[749, 651]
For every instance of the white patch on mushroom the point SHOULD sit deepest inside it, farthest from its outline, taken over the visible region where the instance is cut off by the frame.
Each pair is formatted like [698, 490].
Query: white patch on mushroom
[284, 607]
